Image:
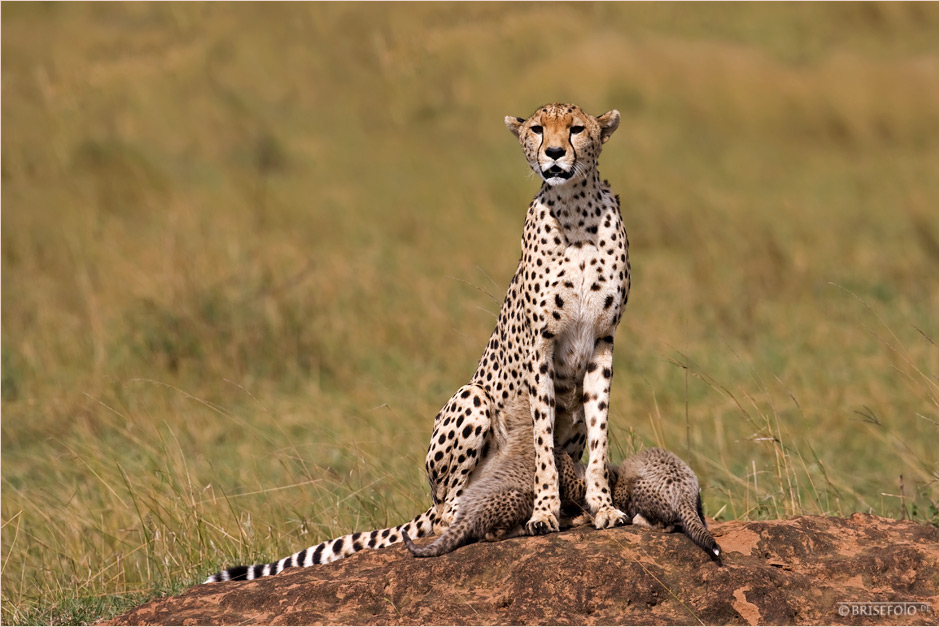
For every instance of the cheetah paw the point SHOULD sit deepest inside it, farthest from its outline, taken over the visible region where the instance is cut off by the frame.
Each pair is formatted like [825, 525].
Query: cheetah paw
[608, 517]
[541, 523]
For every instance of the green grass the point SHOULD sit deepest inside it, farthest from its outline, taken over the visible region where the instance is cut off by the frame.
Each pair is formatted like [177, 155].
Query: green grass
[249, 251]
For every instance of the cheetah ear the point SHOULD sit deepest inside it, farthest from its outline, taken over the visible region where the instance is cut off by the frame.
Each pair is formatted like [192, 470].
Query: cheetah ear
[514, 124]
[609, 123]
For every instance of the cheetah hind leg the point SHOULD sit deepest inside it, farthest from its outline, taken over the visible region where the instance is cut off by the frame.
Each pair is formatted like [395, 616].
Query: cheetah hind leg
[459, 441]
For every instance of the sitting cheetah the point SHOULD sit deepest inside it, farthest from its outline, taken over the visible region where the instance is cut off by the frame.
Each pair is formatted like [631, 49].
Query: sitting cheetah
[654, 486]
[553, 340]
[554, 337]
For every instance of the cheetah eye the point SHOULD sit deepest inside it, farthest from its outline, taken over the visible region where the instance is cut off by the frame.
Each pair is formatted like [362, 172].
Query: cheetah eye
[536, 129]
[576, 129]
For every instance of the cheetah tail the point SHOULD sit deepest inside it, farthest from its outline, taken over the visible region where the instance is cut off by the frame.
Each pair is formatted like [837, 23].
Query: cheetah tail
[334, 549]
[693, 522]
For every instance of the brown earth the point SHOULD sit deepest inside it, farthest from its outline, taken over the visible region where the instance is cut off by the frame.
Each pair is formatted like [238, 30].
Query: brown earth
[805, 570]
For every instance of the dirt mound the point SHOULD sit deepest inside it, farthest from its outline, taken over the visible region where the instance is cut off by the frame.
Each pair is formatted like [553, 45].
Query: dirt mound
[807, 570]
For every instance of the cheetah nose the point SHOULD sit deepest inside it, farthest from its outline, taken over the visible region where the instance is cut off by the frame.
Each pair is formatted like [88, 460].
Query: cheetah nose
[555, 153]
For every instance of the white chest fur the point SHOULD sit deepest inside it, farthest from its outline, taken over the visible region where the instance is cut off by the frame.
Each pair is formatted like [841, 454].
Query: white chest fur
[583, 317]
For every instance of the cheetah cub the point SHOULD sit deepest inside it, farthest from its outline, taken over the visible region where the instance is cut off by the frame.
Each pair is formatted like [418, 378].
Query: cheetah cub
[656, 488]
[499, 494]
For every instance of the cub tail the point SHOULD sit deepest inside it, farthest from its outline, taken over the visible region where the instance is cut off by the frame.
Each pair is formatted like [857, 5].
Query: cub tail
[693, 523]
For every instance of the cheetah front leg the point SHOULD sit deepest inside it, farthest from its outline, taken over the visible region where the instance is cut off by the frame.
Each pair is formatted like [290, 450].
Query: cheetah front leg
[596, 402]
[458, 443]
[547, 506]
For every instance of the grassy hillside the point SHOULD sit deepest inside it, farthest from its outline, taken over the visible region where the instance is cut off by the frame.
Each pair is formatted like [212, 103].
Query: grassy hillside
[249, 251]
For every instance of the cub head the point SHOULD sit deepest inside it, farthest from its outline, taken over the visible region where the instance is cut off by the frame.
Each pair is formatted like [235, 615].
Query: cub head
[562, 142]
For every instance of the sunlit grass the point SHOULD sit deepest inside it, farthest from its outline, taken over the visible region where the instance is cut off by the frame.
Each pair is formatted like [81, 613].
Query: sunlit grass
[248, 252]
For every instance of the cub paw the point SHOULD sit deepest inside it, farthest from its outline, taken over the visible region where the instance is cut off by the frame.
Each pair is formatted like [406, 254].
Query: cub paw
[541, 523]
[608, 517]
[582, 519]
[639, 521]
[447, 518]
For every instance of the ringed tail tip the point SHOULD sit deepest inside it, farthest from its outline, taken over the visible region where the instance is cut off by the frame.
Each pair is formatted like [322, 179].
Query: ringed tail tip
[715, 553]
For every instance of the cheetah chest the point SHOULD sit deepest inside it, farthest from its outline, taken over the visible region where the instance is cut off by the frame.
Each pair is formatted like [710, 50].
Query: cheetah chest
[583, 306]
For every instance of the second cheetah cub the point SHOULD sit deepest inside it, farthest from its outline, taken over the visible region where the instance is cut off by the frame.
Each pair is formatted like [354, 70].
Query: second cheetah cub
[655, 487]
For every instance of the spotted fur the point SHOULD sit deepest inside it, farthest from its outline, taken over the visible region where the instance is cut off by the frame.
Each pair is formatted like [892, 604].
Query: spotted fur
[553, 341]
[656, 488]
[498, 497]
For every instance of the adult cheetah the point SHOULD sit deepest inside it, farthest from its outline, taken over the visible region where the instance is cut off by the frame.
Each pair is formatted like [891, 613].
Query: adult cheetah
[553, 340]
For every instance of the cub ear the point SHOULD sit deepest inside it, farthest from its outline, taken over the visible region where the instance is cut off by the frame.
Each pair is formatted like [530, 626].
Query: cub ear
[514, 124]
[609, 123]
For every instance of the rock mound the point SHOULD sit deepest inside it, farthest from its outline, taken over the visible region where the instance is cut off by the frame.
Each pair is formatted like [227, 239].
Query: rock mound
[807, 570]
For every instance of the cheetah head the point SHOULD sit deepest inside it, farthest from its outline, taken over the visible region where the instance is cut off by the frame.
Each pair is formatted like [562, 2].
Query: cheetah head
[562, 142]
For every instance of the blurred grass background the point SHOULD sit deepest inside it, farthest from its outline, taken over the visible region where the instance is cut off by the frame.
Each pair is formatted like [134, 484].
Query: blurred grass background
[249, 251]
